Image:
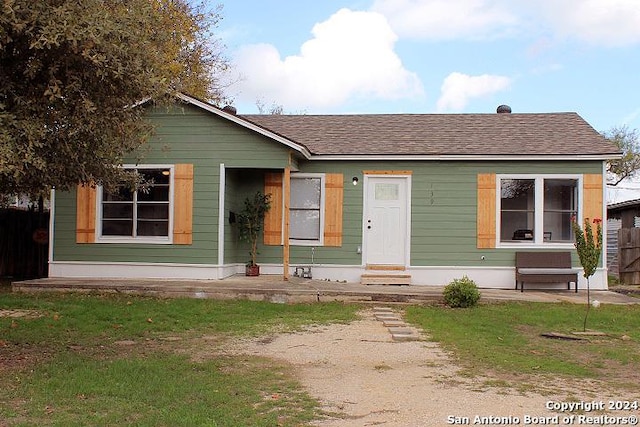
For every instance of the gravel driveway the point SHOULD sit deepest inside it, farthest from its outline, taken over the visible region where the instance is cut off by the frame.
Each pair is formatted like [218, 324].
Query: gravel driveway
[364, 378]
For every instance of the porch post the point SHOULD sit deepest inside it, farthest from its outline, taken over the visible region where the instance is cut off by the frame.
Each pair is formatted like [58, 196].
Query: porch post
[221, 202]
[287, 196]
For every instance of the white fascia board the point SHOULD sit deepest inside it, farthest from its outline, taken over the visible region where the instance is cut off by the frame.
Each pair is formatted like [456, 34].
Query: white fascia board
[239, 120]
[443, 157]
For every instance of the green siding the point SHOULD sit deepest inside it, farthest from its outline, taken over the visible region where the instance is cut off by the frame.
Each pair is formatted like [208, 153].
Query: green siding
[183, 135]
[443, 212]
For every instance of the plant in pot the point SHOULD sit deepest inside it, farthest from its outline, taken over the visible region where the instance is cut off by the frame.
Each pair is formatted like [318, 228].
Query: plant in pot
[250, 223]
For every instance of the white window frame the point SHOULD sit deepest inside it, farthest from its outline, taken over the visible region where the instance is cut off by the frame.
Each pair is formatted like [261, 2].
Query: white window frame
[538, 238]
[320, 241]
[157, 240]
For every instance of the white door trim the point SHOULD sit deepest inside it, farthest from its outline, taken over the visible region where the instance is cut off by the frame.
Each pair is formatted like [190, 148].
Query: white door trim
[365, 207]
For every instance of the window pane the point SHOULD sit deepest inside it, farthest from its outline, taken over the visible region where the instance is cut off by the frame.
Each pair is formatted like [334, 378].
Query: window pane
[387, 191]
[517, 209]
[117, 228]
[155, 193]
[304, 225]
[305, 193]
[517, 226]
[153, 228]
[117, 210]
[123, 194]
[156, 176]
[560, 204]
[153, 211]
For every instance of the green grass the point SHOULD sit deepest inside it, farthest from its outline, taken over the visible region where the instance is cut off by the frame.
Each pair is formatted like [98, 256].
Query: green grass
[506, 338]
[124, 360]
[80, 319]
[159, 389]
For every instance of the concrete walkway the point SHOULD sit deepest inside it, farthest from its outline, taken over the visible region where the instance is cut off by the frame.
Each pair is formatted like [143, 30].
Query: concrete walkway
[274, 289]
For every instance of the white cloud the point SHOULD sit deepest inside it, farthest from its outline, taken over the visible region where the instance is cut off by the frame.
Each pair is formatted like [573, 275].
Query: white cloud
[351, 55]
[458, 89]
[599, 22]
[596, 22]
[448, 19]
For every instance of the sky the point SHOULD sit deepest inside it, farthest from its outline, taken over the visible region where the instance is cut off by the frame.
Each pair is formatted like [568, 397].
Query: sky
[435, 56]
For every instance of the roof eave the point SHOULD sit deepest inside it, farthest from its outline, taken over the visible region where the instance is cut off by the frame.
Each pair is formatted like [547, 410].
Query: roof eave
[467, 157]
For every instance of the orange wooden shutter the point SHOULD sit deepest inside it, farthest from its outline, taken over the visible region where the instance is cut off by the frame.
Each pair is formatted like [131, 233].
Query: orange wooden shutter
[273, 218]
[334, 193]
[183, 204]
[486, 220]
[85, 214]
[592, 194]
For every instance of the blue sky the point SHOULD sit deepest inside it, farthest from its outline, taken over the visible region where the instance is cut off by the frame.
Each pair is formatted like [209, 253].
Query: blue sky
[436, 56]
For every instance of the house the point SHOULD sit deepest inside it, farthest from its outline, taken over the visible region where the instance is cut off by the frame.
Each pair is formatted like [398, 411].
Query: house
[414, 198]
[620, 215]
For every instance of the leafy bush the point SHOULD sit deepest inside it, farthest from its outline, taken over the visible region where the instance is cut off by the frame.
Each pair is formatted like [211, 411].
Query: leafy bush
[461, 293]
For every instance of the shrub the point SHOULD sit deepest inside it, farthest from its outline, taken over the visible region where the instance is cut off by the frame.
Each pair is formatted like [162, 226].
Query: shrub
[461, 293]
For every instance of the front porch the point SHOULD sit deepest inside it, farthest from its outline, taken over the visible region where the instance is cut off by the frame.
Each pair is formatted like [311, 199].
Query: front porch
[299, 290]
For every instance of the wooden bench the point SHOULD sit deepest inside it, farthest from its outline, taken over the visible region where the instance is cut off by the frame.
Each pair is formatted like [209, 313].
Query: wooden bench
[545, 267]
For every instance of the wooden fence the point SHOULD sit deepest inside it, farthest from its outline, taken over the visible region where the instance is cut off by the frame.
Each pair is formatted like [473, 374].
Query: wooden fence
[629, 255]
[23, 243]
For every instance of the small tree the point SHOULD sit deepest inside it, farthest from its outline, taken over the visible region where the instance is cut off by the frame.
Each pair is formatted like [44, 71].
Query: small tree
[251, 221]
[589, 248]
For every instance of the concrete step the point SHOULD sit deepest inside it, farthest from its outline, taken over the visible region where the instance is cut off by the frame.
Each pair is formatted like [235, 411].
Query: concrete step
[385, 279]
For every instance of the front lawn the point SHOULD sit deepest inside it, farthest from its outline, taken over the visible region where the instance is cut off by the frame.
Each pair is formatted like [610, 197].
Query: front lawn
[506, 340]
[70, 359]
[76, 360]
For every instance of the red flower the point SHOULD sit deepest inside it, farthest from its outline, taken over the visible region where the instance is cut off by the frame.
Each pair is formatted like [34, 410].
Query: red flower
[597, 220]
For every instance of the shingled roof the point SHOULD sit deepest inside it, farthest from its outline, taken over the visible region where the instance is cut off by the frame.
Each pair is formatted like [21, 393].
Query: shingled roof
[546, 134]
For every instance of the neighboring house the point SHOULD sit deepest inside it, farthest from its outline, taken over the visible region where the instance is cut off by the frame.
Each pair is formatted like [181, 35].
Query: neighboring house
[627, 212]
[619, 215]
[425, 197]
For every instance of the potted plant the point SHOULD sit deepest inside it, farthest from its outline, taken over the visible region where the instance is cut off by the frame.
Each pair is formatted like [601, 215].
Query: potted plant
[250, 223]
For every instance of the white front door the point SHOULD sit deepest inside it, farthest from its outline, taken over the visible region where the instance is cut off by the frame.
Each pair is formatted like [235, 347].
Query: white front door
[386, 220]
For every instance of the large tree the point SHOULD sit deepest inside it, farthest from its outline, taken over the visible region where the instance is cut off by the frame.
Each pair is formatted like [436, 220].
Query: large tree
[628, 142]
[73, 72]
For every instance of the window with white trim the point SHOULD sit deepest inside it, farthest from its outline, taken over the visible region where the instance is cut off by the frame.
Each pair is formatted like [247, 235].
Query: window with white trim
[537, 210]
[141, 215]
[306, 209]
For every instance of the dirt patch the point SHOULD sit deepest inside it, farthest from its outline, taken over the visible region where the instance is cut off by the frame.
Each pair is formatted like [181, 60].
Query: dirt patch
[364, 378]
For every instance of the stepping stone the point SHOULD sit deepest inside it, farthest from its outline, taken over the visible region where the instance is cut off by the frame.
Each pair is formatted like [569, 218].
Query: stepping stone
[383, 309]
[386, 315]
[390, 318]
[402, 337]
[404, 334]
[393, 323]
[401, 331]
